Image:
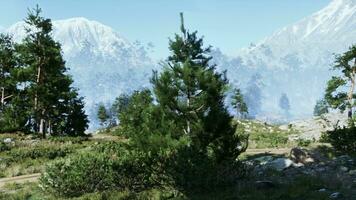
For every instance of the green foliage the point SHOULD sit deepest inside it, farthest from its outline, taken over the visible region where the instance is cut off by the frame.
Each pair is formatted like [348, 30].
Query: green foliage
[239, 104]
[342, 139]
[77, 175]
[303, 142]
[190, 93]
[40, 151]
[321, 107]
[37, 88]
[102, 114]
[120, 104]
[4, 146]
[336, 94]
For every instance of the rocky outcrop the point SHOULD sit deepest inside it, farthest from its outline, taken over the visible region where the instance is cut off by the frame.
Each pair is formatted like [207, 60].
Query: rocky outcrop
[312, 129]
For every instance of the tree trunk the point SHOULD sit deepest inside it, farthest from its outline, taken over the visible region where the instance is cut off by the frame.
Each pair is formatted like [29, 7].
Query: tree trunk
[42, 130]
[351, 92]
[2, 97]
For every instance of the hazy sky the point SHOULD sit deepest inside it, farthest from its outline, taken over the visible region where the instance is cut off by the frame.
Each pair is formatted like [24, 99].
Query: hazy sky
[227, 24]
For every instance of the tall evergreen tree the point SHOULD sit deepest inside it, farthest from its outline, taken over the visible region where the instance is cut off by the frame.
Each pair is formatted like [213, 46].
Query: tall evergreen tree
[191, 93]
[44, 77]
[239, 104]
[335, 94]
[253, 95]
[7, 67]
[102, 114]
[284, 103]
[321, 107]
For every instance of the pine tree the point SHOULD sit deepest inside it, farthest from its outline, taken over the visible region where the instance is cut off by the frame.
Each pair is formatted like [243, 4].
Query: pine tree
[102, 114]
[12, 108]
[191, 93]
[253, 95]
[284, 103]
[7, 67]
[44, 78]
[321, 107]
[335, 94]
[120, 104]
[239, 104]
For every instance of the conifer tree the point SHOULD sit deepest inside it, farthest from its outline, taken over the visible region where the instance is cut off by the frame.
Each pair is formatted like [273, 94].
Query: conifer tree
[102, 114]
[239, 104]
[340, 91]
[191, 93]
[284, 103]
[7, 67]
[253, 95]
[44, 77]
[321, 107]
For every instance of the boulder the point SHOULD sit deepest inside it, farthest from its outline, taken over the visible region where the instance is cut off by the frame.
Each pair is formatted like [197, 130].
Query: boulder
[7, 140]
[299, 155]
[279, 164]
[336, 195]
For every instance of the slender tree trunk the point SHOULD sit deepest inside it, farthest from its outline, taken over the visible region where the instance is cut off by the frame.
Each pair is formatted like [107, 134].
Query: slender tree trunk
[351, 92]
[187, 120]
[2, 97]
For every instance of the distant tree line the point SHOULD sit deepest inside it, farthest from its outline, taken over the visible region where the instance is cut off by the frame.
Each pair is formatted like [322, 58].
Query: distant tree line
[36, 91]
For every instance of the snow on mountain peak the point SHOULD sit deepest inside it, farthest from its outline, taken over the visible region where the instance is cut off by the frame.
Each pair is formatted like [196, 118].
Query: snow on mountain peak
[78, 35]
[309, 41]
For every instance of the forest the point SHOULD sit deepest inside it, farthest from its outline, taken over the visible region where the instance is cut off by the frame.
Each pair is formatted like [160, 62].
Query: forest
[191, 134]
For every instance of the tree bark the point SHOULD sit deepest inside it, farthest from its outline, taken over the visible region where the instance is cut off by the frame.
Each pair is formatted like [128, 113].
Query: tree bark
[351, 92]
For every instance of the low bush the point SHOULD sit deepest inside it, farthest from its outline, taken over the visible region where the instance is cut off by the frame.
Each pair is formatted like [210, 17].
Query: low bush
[4, 146]
[83, 173]
[342, 139]
[66, 139]
[41, 151]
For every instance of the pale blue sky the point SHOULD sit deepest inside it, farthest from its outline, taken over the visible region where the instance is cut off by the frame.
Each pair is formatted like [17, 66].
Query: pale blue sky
[227, 24]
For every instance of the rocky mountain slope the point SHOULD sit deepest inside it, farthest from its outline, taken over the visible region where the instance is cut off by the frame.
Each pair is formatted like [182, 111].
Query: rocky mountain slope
[296, 59]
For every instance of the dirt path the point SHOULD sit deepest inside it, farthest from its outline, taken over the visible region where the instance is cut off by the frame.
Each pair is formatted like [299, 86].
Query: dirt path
[20, 179]
[280, 151]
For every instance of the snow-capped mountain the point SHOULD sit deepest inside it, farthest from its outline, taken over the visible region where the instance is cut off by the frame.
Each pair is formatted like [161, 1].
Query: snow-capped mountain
[102, 62]
[310, 42]
[296, 59]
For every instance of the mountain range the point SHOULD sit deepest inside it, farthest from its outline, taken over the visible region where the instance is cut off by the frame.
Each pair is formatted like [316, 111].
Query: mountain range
[294, 60]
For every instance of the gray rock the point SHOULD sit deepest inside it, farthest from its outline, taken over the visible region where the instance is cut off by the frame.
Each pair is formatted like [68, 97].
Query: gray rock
[264, 159]
[352, 172]
[322, 190]
[343, 169]
[7, 140]
[311, 129]
[336, 195]
[280, 164]
[300, 155]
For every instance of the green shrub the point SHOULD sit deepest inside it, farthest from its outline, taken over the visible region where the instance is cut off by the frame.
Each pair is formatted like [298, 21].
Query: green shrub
[83, 173]
[4, 146]
[303, 142]
[41, 151]
[342, 139]
[66, 139]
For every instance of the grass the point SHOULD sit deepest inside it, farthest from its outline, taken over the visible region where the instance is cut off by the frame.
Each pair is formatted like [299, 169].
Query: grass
[263, 135]
[27, 156]
[302, 187]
